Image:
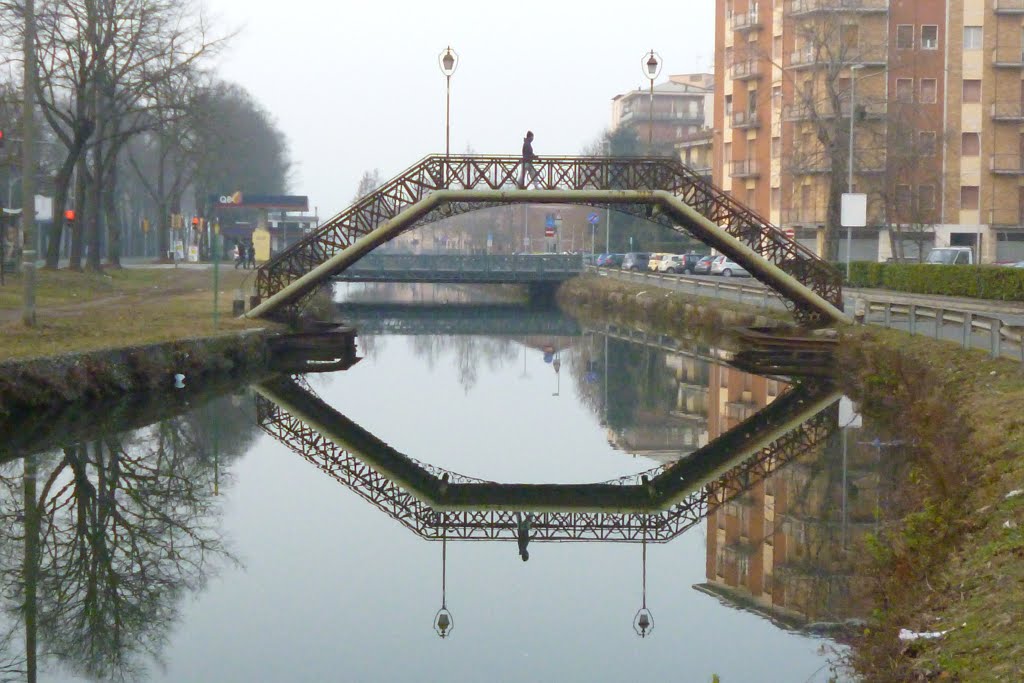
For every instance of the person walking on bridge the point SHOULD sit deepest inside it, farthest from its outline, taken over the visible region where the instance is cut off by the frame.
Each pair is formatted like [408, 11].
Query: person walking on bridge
[528, 158]
[523, 534]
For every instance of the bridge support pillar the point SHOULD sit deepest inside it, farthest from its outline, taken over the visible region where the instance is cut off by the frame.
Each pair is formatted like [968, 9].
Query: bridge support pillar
[542, 294]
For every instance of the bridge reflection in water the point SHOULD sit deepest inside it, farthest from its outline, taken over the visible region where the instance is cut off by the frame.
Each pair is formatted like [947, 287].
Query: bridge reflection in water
[653, 506]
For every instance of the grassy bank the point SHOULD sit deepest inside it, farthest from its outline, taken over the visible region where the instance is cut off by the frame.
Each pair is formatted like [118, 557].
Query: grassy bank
[118, 307]
[949, 554]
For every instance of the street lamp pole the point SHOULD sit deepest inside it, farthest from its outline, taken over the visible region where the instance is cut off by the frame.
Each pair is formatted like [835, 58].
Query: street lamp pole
[849, 158]
[449, 62]
[28, 172]
[652, 67]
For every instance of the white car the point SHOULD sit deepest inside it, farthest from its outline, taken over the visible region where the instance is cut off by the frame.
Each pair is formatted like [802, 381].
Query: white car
[722, 265]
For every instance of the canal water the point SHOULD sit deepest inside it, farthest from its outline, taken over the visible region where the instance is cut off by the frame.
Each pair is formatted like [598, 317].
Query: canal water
[335, 526]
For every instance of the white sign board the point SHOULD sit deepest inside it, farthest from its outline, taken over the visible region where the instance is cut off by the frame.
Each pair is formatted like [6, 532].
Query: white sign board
[853, 211]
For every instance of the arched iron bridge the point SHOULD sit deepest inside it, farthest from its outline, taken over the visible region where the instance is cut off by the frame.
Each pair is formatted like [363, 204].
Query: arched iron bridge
[659, 188]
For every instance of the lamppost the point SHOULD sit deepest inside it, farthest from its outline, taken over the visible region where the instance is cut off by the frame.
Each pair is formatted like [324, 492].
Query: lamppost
[849, 159]
[652, 67]
[449, 62]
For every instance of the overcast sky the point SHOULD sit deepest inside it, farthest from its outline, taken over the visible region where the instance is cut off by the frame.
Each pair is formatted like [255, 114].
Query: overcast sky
[356, 85]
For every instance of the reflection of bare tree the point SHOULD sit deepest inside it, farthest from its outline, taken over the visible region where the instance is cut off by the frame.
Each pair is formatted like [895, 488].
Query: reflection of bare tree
[112, 534]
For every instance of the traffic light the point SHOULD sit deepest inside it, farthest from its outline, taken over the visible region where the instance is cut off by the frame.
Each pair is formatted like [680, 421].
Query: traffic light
[1, 138]
[69, 215]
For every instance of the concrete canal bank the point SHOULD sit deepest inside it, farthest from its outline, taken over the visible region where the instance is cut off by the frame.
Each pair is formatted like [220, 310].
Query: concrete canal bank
[948, 554]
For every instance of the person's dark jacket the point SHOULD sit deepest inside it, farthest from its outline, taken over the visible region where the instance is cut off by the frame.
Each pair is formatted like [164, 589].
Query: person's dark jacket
[528, 154]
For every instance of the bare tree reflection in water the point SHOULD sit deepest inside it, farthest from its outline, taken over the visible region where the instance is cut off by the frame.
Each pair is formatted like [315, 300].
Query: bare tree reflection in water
[116, 531]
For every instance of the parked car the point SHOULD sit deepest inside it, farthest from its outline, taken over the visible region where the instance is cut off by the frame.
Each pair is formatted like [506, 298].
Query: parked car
[654, 263]
[951, 256]
[609, 260]
[635, 260]
[703, 266]
[725, 267]
[671, 263]
[1018, 264]
[690, 262]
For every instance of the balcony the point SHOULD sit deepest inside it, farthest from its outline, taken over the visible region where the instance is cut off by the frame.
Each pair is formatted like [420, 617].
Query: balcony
[1007, 164]
[1007, 57]
[745, 120]
[744, 168]
[807, 164]
[808, 216]
[1012, 111]
[682, 118]
[803, 112]
[866, 55]
[1004, 218]
[748, 21]
[801, 7]
[1008, 6]
[746, 70]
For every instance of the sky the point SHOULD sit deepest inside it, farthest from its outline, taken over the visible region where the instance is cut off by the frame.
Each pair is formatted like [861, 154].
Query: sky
[356, 86]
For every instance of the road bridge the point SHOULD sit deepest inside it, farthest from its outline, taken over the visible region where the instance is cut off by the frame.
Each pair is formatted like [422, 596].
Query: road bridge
[659, 188]
[494, 320]
[654, 506]
[463, 268]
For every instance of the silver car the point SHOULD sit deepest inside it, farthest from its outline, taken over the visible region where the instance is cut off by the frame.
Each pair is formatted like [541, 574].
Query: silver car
[722, 265]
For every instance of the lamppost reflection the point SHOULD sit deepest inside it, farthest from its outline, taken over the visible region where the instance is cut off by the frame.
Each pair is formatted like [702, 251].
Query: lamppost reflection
[643, 620]
[444, 622]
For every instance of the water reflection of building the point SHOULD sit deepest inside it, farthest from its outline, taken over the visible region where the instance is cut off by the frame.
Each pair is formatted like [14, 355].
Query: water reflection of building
[784, 547]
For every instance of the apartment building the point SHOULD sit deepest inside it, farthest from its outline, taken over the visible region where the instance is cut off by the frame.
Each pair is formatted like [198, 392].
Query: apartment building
[682, 107]
[932, 90]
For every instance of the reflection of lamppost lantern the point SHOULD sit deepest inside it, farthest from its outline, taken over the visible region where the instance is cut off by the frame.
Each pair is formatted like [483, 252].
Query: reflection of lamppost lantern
[643, 620]
[651, 67]
[449, 62]
[444, 622]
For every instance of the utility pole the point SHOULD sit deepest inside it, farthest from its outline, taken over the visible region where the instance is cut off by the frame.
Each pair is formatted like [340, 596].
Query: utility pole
[28, 167]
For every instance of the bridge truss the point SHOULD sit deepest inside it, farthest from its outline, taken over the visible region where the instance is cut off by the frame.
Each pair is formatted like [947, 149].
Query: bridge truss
[400, 205]
[666, 501]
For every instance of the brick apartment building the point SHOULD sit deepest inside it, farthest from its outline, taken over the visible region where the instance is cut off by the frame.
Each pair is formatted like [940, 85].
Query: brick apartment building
[936, 92]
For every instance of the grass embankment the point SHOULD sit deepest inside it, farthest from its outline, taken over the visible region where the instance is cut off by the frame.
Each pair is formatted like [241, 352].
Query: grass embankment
[118, 307]
[953, 557]
[949, 553]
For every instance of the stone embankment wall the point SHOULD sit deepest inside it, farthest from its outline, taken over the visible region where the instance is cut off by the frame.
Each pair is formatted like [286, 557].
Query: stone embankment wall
[42, 382]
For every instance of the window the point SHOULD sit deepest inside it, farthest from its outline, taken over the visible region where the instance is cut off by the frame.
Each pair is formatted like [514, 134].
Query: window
[777, 48]
[776, 198]
[848, 36]
[972, 37]
[970, 144]
[777, 97]
[727, 58]
[930, 37]
[905, 37]
[903, 202]
[752, 103]
[969, 197]
[926, 197]
[929, 90]
[972, 90]
[728, 105]
[926, 142]
[776, 147]
[904, 89]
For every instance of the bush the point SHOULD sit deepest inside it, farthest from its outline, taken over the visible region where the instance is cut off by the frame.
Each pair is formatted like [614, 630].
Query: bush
[981, 282]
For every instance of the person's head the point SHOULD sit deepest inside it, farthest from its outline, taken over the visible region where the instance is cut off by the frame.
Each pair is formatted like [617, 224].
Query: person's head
[525, 554]
[529, 135]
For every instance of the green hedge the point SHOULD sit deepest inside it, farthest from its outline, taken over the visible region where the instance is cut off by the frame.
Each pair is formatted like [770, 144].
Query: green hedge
[981, 282]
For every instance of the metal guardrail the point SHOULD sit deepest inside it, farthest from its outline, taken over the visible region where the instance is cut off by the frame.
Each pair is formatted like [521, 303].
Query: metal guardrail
[1002, 335]
[720, 288]
[970, 328]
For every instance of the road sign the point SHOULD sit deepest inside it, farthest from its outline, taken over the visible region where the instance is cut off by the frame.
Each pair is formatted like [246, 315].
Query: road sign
[853, 210]
[789, 232]
[594, 218]
[549, 231]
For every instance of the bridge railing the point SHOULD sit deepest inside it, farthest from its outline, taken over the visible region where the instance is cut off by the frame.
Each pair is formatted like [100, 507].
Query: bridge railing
[496, 263]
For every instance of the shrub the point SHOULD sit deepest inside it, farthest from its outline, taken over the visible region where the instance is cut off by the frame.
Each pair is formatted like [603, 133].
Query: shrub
[981, 282]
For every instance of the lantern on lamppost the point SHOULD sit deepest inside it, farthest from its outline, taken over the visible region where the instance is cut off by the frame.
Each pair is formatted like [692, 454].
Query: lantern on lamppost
[651, 64]
[448, 60]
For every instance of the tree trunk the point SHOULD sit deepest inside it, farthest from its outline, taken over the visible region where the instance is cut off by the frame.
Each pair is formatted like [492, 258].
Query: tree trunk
[113, 224]
[81, 205]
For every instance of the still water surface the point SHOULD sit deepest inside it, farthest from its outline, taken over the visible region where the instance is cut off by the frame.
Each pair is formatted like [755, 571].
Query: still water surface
[200, 547]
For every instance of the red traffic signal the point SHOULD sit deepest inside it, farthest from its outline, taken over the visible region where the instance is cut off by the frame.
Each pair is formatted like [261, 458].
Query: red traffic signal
[1, 137]
[69, 215]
